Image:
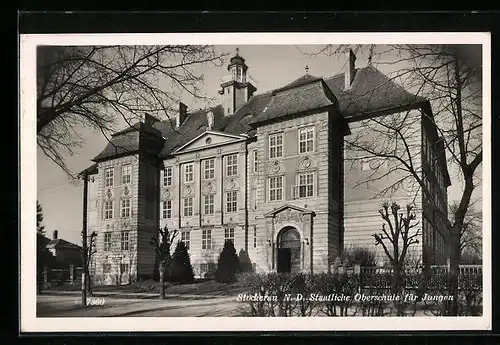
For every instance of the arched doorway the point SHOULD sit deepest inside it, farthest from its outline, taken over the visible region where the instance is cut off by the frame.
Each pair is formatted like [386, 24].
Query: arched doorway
[288, 250]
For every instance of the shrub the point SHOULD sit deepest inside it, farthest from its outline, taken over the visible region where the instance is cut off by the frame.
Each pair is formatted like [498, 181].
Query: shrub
[245, 262]
[228, 264]
[275, 287]
[210, 274]
[359, 256]
[470, 258]
[180, 270]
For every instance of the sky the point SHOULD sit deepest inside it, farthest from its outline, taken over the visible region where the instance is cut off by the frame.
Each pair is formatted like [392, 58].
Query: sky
[270, 66]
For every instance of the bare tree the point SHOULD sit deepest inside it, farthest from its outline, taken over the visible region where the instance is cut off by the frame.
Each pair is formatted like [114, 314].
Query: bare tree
[471, 234]
[451, 90]
[87, 255]
[162, 243]
[95, 86]
[397, 237]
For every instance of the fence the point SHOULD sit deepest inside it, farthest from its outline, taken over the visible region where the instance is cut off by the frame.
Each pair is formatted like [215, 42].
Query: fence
[366, 291]
[60, 276]
[380, 277]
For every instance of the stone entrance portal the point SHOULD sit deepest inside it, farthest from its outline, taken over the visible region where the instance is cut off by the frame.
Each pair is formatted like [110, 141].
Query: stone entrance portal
[289, 230]
[288, 251]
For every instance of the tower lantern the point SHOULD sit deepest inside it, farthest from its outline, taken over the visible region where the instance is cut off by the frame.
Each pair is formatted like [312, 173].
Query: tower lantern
[237, 87]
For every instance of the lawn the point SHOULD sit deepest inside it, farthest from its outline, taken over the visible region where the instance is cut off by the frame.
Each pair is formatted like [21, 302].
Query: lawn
[199, 287]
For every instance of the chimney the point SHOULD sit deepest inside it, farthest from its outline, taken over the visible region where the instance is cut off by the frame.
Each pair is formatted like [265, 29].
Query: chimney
[54, 235]
[149, 119]
[181, 116]
[350, 69]
[210, 120]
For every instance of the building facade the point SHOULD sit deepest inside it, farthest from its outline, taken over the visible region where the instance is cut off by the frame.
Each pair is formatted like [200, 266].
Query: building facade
[267, 171]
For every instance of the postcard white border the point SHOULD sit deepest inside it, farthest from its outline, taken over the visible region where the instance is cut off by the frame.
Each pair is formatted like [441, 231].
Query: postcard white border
[28, 175]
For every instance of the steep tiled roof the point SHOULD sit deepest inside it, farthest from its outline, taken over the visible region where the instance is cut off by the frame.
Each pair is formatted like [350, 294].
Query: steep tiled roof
[301, 97]
[371, 92]
[60, 243]
[305, 79]
[91, 170]
[140, 127]
[129, 140]
[194, 124]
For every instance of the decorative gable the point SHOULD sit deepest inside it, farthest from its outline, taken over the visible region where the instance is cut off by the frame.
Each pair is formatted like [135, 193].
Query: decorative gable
[209, 139]
[287, 212]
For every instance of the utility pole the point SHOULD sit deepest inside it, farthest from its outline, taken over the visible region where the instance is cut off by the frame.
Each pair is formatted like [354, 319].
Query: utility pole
[84, 238]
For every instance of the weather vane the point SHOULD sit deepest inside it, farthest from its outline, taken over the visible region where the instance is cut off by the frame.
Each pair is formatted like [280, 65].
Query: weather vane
[307, 69]
[237, 51]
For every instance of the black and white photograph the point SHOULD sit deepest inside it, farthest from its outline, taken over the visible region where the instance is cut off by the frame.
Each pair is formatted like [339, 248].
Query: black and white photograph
[189, 182]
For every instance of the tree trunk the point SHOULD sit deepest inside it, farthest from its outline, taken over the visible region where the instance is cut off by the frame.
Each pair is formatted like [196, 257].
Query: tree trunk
[162, 283]
[396, 277]
[88, 282]
[454, 271]
[396, 286]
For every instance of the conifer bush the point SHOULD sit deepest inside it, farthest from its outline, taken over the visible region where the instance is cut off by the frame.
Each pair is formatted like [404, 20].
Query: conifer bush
[245, 262]
[228, 264]
[181, 270]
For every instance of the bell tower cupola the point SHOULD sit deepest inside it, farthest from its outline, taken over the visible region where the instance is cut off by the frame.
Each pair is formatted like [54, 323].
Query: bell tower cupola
[237, 86]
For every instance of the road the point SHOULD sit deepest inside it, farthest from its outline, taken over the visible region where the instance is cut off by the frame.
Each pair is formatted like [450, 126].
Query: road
[70, 306]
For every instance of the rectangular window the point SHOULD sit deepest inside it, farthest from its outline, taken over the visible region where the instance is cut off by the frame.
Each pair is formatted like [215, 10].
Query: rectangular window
[306, 139]
[124, 269]
[208, 203]
[188, 207]
[255, 161]
[108, 209]
[276, 188]
[276, 145]
[238, 74]
[186, 238]
[125, 208]
[306, 185]
[126, 173]
[206, 239]
[231, 201]
[188, 172]
[203, 269]
[232, 165]
[107, 241]
[229, 234]
[254, 195]
[106, 268]
[255, 236]
[209, 168]
[124, 240]
[167, 176]
[109, 175]
[167, 209]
